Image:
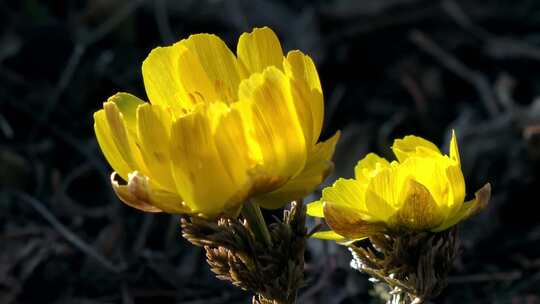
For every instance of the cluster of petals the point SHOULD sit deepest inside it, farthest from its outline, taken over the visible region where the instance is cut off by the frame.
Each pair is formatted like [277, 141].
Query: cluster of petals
[218, 129]
[423, 190]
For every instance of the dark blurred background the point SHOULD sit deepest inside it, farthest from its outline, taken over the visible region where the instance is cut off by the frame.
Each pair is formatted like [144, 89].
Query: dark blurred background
[388, 68]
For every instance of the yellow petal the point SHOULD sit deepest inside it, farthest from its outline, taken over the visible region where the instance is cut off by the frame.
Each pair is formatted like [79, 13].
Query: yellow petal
[304, 100]
[381, 198]
[153, 130]
[454, 151]
[413, 146]
[307, 93]
[348, 222]
[317, 168]
[161, 75]
[350, 193]
[233, 149]
[200, 176]
[115, 127]
[457, 186]
[259, 49]
[127, 104]
[140, 194]
[433, 173]
[468, 209]
[315, 209]
[328, 235]
[209, 68]
[369, 166]
[108, 146]
[119, 134]
[273, 130]
[418, 211]
[301, 67]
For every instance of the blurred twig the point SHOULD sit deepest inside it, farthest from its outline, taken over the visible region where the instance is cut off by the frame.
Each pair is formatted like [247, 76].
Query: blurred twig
[111, 23]
[66, 233]
[72, 207]
[75, 143]
[457, 14]
[142, 235]
[498, 47]
[328, 268]
[485, 277]
[380, 22]
[81, 44]
[474, 78]
[526, 284]
[162, 20]
[336, 97]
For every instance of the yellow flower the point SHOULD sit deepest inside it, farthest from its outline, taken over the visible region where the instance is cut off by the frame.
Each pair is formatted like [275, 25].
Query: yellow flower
[219, 128]
[423, 190]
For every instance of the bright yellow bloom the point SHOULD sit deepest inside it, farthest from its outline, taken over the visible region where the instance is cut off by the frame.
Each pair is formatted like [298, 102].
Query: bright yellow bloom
[423, 190]
[219, 128]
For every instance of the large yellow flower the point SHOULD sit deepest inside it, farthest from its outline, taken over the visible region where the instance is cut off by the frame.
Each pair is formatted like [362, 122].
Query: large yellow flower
[219, 128]
[423, 190]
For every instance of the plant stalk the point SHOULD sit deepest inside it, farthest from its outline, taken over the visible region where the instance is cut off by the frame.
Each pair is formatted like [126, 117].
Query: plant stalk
[253, 215]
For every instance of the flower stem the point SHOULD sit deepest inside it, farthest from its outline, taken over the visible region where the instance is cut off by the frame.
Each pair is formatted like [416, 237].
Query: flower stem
[252, 213]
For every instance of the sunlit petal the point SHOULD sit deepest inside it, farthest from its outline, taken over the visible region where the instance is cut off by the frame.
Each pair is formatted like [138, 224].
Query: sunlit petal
[328, 235]
[423, 191]
[218, 130]
[413, 146]
[418, 211]
[272, 123]
[307, 93]
[259, 49]
[317, 168]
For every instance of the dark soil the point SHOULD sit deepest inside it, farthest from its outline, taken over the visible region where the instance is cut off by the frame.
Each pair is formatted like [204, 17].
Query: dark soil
[388, 68]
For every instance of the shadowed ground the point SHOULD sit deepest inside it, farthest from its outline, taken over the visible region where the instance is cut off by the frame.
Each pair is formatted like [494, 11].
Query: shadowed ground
[388, 68]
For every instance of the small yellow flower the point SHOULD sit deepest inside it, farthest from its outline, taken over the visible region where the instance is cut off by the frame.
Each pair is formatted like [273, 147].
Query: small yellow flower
[219, 128]
[423, 190]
